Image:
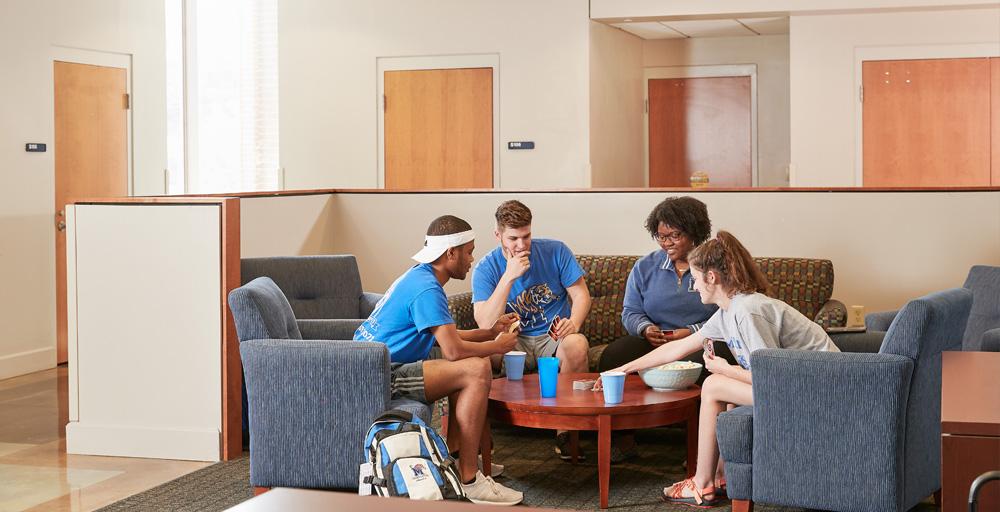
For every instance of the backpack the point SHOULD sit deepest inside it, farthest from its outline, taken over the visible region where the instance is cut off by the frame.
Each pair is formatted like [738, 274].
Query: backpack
[405, 457]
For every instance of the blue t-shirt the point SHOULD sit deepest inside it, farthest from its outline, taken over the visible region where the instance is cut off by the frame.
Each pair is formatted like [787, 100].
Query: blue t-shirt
[540, 294]
[403, 318]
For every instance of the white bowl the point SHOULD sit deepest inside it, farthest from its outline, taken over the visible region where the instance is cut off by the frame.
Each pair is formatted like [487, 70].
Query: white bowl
[664, 378]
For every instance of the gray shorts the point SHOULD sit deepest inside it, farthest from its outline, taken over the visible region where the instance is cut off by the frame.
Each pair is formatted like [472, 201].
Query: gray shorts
[407, 379]
[535, 347]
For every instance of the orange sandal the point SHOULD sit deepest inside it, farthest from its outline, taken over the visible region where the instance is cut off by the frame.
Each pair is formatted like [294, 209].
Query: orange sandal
[701, 498]
[720, 486]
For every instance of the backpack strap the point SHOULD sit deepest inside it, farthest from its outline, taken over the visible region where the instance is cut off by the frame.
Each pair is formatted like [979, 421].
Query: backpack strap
[395, 415]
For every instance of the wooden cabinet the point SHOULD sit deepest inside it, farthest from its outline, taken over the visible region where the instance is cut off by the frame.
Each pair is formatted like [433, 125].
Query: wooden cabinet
[970, 427]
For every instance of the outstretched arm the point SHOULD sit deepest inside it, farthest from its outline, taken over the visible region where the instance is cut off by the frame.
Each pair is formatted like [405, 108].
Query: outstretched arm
[453, 347]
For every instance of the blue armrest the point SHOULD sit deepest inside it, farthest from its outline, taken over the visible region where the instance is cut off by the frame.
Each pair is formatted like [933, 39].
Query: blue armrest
[991, 340]
[310, 405]
[329, 328]
[829, 428]
[368, 302]
[734, 432]
[880, 321]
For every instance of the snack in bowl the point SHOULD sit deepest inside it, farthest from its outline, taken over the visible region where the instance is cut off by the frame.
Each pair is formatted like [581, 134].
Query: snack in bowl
[671, 376]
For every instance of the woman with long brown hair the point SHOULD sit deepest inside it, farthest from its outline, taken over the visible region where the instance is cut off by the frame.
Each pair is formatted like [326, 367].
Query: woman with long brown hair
[726, 275]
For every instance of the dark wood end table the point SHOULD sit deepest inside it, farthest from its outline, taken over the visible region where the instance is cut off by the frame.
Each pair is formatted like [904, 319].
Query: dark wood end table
[520, 403]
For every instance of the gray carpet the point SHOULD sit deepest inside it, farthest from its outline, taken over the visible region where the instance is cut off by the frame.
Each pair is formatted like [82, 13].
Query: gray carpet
[531, 467]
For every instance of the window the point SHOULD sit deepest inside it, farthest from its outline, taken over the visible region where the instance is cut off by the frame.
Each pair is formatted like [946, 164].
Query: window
[223, 127]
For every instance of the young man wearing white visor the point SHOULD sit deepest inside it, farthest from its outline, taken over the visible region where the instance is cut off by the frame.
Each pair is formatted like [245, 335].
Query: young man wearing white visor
[414, 314]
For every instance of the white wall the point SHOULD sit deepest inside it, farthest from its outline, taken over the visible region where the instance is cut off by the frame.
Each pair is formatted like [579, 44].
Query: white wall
[878, 241]
[28, 32]
[145, 365]
[616, 107]
[327, 75]
[770, 54]
[822, 78]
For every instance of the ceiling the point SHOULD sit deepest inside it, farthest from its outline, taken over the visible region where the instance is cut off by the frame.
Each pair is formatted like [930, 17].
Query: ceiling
[682, 29]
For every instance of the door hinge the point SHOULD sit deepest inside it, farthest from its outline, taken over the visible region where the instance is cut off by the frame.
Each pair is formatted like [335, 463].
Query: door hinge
[128, 101]
[861, 93]
[646, 106]
[385, 102]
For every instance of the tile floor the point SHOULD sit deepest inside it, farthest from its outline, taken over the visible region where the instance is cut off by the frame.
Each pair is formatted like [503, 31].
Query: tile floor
[37, 475]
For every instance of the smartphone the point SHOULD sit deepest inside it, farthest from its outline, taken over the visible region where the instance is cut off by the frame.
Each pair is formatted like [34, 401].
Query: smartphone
[667, 332]
[709, 347]
[552, 327]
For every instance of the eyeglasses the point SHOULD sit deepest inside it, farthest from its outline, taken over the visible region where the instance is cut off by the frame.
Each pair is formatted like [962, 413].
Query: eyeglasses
[673, 236]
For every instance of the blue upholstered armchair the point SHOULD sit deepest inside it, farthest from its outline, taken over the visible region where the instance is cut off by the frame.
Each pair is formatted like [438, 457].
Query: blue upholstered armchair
[983, 331]
[324, 291]
[847, 431]
[310, 401]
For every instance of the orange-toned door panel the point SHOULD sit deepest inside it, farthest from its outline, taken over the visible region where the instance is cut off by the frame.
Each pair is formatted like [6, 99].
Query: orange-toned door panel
[700, 124]
[926, 123]
[995, 122]
[91, 153]
[439, 128]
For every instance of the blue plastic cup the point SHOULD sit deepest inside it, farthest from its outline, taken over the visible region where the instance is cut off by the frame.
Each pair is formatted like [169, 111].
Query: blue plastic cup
[513, 361]
[614, 386]
[548, 375]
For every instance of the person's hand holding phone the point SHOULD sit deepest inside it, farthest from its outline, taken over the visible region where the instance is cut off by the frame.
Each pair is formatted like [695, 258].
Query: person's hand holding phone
[655, 336]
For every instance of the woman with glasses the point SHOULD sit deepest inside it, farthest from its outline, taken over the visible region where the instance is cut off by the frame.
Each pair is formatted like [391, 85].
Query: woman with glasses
[661, 304]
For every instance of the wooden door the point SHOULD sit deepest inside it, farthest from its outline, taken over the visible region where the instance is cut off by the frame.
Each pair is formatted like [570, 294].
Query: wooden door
[926, 123]
[700, 124]
[438, 128]
[995, 120]
[91, 153]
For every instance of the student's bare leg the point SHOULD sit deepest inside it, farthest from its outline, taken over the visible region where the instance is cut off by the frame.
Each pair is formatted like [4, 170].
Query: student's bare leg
[468, 382]
[454, 429]
[717, 393]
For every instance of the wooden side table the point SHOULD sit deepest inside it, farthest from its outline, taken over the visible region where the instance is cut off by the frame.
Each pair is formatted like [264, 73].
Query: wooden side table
[970, 427]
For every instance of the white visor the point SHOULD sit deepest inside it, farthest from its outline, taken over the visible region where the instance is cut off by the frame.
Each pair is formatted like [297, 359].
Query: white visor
[435, 246]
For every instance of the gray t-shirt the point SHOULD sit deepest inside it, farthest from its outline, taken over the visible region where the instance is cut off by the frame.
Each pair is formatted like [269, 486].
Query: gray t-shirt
[754, 321]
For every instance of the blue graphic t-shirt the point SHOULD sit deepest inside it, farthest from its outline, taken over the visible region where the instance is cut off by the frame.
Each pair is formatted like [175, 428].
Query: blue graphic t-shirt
[403, 318]
[540, 294]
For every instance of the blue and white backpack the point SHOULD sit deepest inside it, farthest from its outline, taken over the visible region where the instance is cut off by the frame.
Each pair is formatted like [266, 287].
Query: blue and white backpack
[407, 458]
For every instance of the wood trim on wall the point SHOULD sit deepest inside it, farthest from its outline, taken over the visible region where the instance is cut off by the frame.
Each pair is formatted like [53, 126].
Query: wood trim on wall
[232, 366]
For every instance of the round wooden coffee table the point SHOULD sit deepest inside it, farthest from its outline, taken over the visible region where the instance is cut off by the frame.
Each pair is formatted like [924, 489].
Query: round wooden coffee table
[520, 403]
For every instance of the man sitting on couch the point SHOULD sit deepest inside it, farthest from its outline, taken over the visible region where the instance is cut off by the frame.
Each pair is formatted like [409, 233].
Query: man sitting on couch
[411, 316]
[537, 280]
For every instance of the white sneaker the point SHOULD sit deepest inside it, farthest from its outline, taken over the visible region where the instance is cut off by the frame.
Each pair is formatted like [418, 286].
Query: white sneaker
[495, 469]
[485, 491]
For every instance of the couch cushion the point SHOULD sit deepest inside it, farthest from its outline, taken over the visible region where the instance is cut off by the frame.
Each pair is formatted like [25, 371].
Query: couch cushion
[606, 275]
[803, 283]
[984, 282]
[326, 286]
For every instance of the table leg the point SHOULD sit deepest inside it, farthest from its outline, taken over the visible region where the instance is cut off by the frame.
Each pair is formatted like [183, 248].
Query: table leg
[486, 448]
[692, 442]
[604, 456]
[574, 446]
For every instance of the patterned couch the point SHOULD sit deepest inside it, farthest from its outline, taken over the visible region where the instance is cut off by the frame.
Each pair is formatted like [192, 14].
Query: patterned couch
[805, 284]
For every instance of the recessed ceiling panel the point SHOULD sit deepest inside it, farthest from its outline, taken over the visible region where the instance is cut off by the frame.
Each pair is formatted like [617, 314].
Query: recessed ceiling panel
[767, 26]
[649, 30]
[709, 28]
